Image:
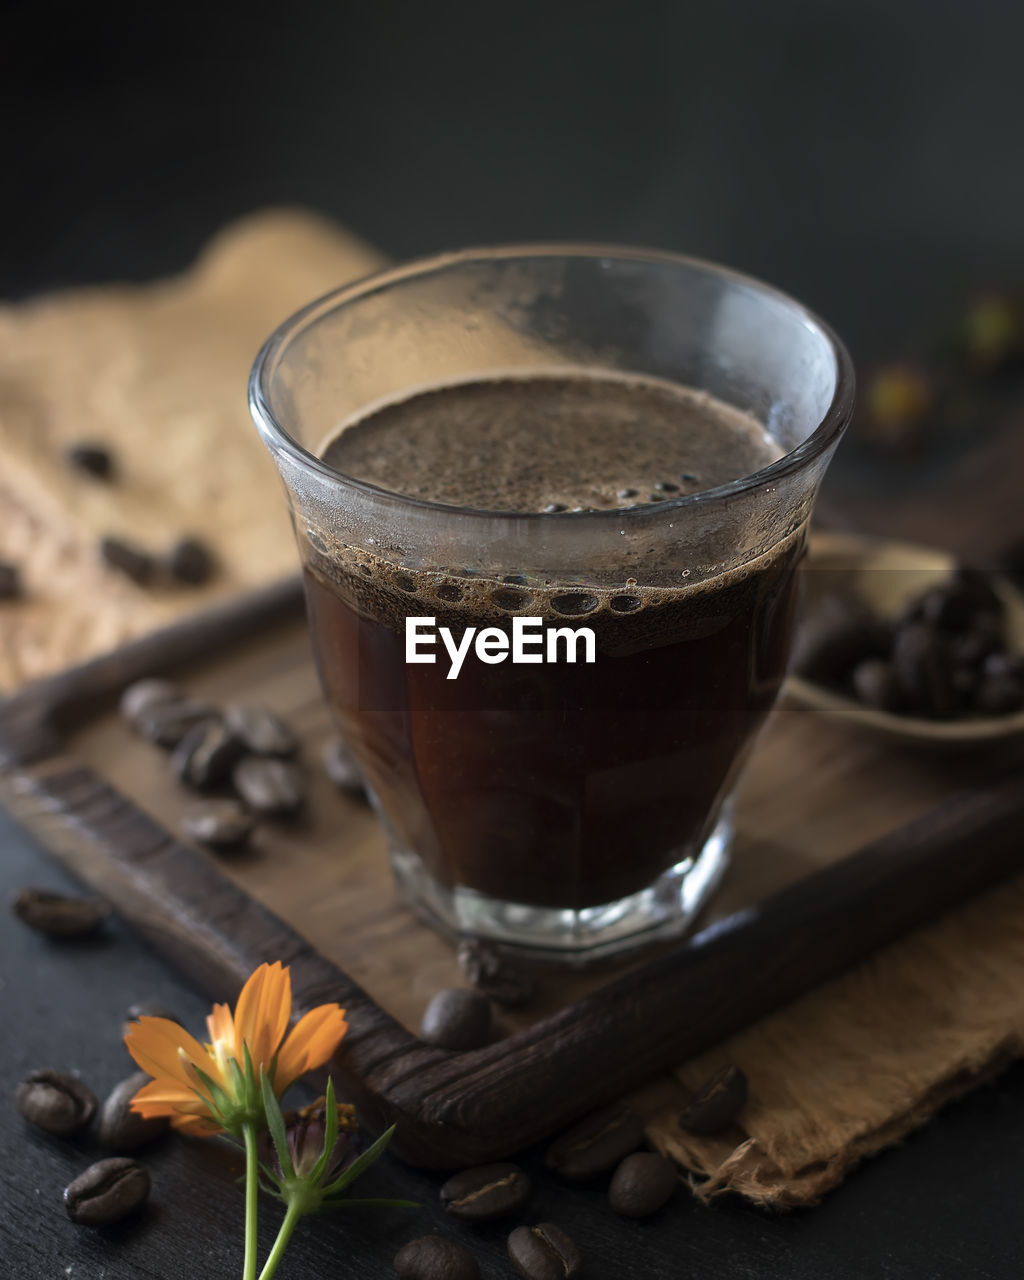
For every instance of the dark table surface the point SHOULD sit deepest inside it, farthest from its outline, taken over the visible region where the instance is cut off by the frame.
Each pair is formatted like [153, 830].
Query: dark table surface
[866, 156]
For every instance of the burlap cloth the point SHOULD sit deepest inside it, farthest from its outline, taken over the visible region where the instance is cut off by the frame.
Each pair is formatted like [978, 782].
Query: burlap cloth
[158, 372]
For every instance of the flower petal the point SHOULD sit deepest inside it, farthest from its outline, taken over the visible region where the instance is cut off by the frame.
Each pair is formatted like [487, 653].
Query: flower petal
[262, 1014]
[221, 1026]
[311, 1042]
[156, 1045]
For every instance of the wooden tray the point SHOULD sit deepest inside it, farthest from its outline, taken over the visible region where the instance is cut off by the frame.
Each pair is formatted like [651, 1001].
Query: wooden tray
[843, 844]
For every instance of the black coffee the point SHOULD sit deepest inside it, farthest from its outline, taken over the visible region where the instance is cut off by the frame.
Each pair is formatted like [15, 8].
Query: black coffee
[557, 785]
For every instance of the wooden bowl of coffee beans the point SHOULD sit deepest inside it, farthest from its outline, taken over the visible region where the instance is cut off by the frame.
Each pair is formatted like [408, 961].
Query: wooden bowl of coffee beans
[903, 640]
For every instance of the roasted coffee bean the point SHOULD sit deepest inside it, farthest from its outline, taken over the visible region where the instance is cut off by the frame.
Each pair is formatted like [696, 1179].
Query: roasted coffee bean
[55, 1101]
[190, 562]
[341, 768]
[1002, 664]
[924, 671]
[143, 694]
[435, 1258]
[836, 632]
[273, 787]
[489, 1191]
[717, 1103]
[492, 974]
[998, 696]
[106, 1192]
[544, 1252]
[875, 684]
[206, 754]
[94, 459]
[121, 1129]
[947, 608]
[596, 1144]
[166, 723]
[59, 915]
[641, 1184]
[261, 731]
[126, 558]
[984, 636]
[221, 824]
[457, 1019]
[10, 581]
[146, 1009]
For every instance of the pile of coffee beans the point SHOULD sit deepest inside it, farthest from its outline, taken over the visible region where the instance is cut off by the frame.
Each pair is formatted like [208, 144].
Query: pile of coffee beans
[243, 757]
[946, 656]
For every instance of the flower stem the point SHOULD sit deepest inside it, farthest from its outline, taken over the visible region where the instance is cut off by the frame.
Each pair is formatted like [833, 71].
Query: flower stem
[252, 1189]
[281, 1243]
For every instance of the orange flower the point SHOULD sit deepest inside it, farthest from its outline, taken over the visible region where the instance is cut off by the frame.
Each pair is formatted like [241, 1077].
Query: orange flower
[178, 1062]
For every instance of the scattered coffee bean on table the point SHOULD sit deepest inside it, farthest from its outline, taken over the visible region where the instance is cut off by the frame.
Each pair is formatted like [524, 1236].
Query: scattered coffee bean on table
[143, 694]
[276, 788]
[55, 1101]
[122, 1129]
[166, 723]
[93, 459]
[10, 581]
[106, 1192]
[487, 1192]
[206, 755]
[146, 1009]
[596, 1144]
[641, 1184]
[717, 1103]
[261, 731]
[489, 971]
[59, 915]
[221, 824]
[190, 562]
[435, 1258]
[126, 558]
[457, 1019]
[341, 768]
[544, 1252]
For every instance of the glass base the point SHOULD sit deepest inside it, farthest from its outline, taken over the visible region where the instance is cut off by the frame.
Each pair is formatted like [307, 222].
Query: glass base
[665, 909]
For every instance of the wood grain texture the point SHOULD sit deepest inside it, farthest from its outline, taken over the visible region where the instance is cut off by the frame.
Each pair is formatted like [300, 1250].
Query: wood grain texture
[819, 880]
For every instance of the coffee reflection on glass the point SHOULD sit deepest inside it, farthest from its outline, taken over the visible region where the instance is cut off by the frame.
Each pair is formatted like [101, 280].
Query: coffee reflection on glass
[512, 461]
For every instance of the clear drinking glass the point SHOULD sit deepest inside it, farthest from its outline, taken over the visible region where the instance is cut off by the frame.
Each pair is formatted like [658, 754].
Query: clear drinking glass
[571, 810]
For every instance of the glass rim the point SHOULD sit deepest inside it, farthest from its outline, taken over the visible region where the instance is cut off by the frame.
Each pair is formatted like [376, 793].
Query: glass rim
[279, 440]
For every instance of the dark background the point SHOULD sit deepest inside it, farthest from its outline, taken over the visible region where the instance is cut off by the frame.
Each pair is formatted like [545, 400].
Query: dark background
[866, 156]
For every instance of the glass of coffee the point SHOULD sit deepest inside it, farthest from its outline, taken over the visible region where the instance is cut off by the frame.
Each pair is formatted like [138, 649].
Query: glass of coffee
[550, 504]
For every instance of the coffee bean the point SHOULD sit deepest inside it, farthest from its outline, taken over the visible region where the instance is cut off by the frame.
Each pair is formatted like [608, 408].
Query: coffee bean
[59, 915]
[596, 1144]
[641, 1184]
[146, 1009]
[206, 754]
[552, 507]
[143, 694]
[121, 1129]
[457, 1019]
[626, 493]
[717, 1103]
[129, 559]
[489, 1191]
[341, 768]
[166, 723]
[273, 787]
[435, 1258]
[93, 459]
[875, 684]
[261, 731]
[221, 824]
[985, 635]
[836, 632]
[999, 696]
[10, 581]
[106, 1192]
[544, 1252]
[190, 562]
[947, 608]
[492, 974]
[55, 1101]
[1002, 664]
[924, 671]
